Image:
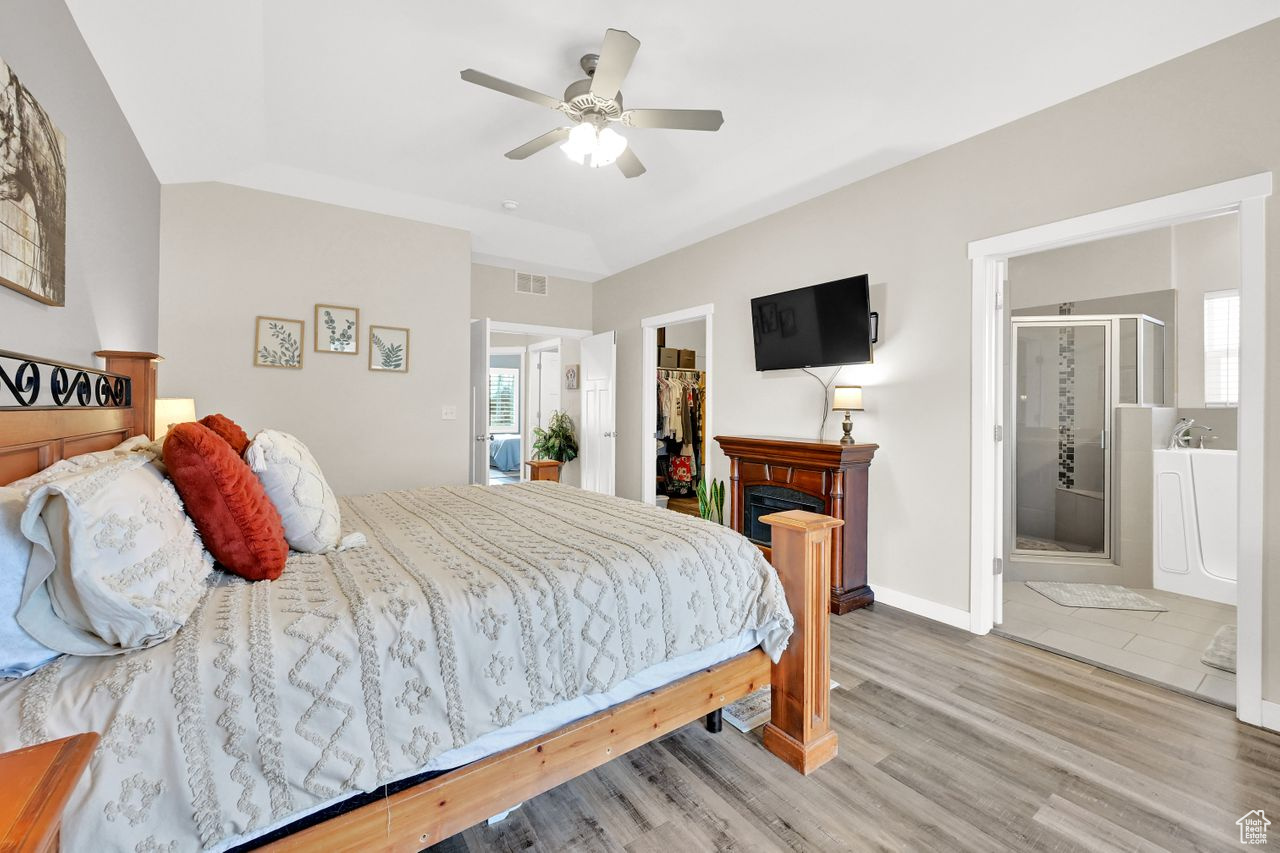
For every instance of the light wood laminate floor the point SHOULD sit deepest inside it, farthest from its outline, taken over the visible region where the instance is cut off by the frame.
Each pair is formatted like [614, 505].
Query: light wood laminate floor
[948, 742]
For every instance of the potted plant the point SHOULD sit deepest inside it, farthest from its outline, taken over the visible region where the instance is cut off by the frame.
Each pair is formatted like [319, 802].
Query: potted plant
[557, 441]
[711, 500]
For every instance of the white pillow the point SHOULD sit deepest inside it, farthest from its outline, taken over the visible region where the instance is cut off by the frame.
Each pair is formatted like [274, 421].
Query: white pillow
[116, 564]
[293, 482]
[20, 653]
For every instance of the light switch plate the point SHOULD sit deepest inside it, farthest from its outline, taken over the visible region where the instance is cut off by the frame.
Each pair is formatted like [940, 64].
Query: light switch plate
[448, 413]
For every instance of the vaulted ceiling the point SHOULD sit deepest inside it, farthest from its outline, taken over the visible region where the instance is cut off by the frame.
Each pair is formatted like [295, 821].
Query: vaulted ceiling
[360, 103]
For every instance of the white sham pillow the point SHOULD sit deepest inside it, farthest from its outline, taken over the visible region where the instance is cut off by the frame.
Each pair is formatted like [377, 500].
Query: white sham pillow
[115, 562]
[293, 481]
[20, 653]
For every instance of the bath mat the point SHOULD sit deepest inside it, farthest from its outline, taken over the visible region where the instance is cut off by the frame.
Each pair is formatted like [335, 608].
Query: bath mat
[1097, 595]
[752, 710]
[1221, 653]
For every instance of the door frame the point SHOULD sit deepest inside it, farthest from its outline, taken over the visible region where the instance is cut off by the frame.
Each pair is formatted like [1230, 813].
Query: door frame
[1244, 196]
[507, 327]
[648, 376]
[537, 349]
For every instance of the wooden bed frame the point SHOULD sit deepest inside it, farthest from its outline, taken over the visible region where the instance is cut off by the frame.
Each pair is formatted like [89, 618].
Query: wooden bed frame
[799, 732]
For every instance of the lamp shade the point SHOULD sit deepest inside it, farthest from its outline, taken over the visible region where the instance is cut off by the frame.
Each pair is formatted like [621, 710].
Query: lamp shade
[171, 411]
[847, 398]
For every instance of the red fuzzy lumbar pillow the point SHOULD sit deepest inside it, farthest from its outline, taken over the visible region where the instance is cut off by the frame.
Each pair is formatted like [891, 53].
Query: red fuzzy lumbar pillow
[228, 430]
[237, 522]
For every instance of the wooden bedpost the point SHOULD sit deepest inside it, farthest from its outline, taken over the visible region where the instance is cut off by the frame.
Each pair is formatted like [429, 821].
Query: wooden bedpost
[140, 367]
[799, 731]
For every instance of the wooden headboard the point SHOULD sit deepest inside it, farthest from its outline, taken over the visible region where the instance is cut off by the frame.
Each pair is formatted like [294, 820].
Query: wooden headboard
[50, 410]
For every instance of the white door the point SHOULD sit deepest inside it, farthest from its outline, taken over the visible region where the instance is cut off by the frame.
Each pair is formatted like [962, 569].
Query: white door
[480, 401]
[548, 386]
[596, 444]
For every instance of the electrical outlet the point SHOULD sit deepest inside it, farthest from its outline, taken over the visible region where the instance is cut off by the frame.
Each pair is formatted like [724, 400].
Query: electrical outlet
[448, 413]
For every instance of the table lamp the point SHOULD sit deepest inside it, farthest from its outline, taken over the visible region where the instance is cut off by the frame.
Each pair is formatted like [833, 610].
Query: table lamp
[171, 411]
[847, 398]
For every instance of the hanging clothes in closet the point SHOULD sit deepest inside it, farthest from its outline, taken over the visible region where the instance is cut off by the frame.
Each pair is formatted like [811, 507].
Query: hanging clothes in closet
[681, 394]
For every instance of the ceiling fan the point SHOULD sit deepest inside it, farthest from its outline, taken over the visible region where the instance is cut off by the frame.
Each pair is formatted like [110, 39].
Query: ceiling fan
[593, 104]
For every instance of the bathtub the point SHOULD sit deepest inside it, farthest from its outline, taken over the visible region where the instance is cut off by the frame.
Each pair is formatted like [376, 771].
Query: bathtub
[1194, 520]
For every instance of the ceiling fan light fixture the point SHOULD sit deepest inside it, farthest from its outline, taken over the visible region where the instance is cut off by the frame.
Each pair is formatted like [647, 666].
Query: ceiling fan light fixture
[609, 147]
[581, 143]
[588, 145]
[591, 104]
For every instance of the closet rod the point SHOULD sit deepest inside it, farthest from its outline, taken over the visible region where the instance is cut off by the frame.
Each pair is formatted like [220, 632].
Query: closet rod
[678, 370]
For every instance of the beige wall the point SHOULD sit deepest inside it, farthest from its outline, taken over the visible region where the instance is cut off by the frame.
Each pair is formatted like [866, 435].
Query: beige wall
[113, 199]
[1135, 263]
[1206, 117]
[229, 254]
[567, 304]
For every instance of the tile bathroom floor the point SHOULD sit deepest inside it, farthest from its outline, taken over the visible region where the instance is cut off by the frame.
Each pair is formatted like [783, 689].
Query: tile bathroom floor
[1164, 648]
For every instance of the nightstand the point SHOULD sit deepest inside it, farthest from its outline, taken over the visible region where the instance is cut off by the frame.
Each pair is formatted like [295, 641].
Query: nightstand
[35, 784]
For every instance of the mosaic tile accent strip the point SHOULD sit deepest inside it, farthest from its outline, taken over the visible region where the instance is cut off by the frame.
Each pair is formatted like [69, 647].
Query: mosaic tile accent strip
[1067, 407]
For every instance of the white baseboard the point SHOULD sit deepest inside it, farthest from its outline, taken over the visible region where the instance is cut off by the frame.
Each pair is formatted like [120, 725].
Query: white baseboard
[1271, 715]
[953, 616]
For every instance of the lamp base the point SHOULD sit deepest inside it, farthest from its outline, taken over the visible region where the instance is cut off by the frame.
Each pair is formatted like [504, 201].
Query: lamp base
[847, 438]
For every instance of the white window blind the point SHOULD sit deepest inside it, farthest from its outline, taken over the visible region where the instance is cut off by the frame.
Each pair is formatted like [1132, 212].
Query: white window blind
[1222, 348]
[504, 399]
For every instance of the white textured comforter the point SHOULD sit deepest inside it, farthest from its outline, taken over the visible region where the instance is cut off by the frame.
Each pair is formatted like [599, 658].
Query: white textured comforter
[469, 608]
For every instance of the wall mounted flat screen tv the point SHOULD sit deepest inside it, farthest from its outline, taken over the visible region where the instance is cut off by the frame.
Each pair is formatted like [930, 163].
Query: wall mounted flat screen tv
[817, 326]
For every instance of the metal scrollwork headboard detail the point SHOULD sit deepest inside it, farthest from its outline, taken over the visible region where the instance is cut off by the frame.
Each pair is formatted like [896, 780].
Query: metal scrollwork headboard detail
[28, 382]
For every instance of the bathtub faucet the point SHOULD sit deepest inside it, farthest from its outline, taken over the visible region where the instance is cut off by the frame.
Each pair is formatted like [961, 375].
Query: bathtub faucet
[1182, 433]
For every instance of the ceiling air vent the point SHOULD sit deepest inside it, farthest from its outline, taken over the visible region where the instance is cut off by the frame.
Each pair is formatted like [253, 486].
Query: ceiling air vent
[527, 282]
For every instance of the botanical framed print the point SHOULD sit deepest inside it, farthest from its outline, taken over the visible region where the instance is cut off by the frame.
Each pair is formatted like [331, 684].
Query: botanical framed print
[337, 329]
[389, 349]
[33, 196]
[278, 342]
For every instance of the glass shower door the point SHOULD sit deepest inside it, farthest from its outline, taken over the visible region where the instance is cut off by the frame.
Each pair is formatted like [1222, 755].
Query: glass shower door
[1062, 417]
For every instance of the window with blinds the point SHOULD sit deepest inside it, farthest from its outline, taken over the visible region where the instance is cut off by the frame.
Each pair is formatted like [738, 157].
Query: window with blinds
[504, 399]
[1222, 348]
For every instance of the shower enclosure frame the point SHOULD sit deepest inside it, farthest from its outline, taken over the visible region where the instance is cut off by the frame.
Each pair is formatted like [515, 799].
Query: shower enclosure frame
[1109, 384]
[1112, 342]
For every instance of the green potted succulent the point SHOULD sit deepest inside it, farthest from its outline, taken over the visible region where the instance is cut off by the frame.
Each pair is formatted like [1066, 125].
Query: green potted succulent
[557, 441]
[711, 500]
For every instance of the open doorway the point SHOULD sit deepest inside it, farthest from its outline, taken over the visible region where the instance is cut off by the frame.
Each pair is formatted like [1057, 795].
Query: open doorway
[680, 389]
[1120, 500]
[677, 411]
[518, 382]
[995, 353]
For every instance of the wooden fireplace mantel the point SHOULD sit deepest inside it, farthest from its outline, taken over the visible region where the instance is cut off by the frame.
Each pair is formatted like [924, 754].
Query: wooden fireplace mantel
[829, 471]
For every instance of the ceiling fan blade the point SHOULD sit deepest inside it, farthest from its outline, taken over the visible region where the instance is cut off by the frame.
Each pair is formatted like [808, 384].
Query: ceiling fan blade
[674, 119]
[616, 55]
[630, 164]
[498, 85]
[533, 146]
